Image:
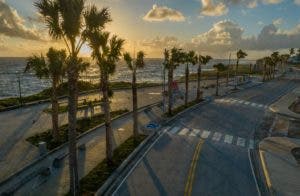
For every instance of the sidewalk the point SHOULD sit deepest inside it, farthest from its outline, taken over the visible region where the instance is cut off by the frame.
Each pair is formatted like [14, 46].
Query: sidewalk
[281, 170]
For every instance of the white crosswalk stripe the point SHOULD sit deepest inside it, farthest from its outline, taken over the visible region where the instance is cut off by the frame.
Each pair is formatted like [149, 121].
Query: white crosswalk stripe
[205, 134]
[241, 142]
[183, 131]
[174, 130]
[195, 132]
[228, 139]
[217, 136]
[251, 144]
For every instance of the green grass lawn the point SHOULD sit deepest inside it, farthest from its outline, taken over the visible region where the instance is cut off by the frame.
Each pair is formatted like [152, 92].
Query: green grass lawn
[98, 175]
[182, 107]
[83, 125]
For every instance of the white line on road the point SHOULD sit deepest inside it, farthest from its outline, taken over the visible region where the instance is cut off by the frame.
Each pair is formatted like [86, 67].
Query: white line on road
[205, 134]
[195, 132]
[251, 144]
[241, 101]
[241, 142]
[184, 131]
[138, 161]
[228, 139]
[174, 130]
[260, 105]
[253, 174]
[247, 103]
[253, 104]
[217, 136]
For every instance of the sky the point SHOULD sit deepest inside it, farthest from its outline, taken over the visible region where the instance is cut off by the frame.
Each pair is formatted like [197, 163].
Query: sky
[213, 27]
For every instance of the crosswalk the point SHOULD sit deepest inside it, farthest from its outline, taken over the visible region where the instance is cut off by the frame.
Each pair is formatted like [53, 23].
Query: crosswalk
[241, 102]
[214, 136]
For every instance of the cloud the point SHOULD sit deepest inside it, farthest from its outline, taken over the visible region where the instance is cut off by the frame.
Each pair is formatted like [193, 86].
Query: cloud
[227, 36]
[297, 2]
[209, 8]
[260, 23]
[271, 1]
[163, 13]
[252, 4]
[160, 42]
[278, 21]
[12, 25]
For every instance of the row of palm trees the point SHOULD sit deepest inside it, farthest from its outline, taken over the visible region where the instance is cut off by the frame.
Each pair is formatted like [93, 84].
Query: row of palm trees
[269, 63]
[77, 24]
[174, 58]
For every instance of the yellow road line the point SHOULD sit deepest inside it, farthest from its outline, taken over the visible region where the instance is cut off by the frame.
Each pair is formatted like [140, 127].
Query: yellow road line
[190, 180]
[268, 181]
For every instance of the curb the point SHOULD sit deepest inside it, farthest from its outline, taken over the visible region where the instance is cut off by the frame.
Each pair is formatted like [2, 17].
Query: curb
[112, 181]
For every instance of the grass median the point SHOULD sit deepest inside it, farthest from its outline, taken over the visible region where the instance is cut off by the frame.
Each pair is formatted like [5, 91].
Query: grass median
[98, 175]
[83, 125]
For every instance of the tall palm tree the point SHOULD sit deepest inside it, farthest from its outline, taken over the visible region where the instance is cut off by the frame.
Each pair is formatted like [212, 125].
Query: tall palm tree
[51, 68]
[219, 68]
[64, 19]
[133, 66]
[292, 51]
[283, 60]
[190, 58]
[267, 63]
[106, 51]
[239, 55]
[202, 60]
[172, 60]
[275, 58]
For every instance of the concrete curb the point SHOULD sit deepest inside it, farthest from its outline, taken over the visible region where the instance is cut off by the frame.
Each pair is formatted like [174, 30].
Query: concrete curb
[12, 187]
[114, 178]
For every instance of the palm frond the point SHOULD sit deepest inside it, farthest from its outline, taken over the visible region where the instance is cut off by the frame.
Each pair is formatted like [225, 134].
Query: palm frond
[128, 59]
[38, 65]
[95, 20]
[140, 63]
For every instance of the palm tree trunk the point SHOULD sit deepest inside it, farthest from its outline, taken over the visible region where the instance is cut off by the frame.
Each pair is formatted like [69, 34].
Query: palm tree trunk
[170, 89]
[187, 73]
[54, 109]
[217, 87]
[108, 128]
[199, 83]
[134, 105]
[72, 111]
[236, 71]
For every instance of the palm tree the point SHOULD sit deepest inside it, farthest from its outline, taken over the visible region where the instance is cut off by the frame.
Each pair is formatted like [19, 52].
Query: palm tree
[172, 60]
[292, 51]
[267, 63]
[219, 68]
[51, 68]
[283, 59]
[64, 22]
[133, 66]
[106, 51]
[189, 57]
[239, 55]
[202, 60]
[275, 58]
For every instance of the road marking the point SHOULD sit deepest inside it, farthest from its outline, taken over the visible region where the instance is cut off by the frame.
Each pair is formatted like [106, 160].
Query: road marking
[217, 136]
[139, 160]
[247, 103]
[241, 101]
[205, 134]
[241, 142]
[268, 181]
[191, 175]
[174, 130]
[260, 105]
[228, 139]
[184, 131]
[253, 174]
[251, 144]
[253, 104]
[195, 132]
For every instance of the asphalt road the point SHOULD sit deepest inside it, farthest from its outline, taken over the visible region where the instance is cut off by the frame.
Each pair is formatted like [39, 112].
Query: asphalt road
[206, 151]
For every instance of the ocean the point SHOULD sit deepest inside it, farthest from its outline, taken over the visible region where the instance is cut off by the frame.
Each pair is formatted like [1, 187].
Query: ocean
[12, 74]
